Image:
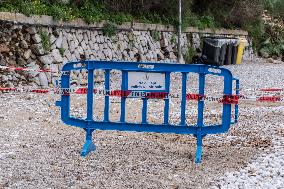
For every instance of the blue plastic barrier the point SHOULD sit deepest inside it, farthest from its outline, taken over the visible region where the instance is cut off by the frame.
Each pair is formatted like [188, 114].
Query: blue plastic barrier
[163, 70]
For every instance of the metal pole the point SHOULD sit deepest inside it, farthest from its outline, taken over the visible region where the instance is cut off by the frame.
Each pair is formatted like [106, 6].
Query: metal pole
[179, 33]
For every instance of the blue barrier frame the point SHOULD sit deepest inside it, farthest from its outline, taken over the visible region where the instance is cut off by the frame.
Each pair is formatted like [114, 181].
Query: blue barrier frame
[199, 130]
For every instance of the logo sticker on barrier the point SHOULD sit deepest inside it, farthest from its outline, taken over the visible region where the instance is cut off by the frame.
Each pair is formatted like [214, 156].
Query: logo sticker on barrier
[149, 80]
[146, 81]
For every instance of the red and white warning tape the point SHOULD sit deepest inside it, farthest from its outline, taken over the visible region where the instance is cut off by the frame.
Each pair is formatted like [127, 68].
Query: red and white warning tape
[225, 99]
[63, 72]
[264, 89]
[232, 99]
[17, 90]
[25, 69]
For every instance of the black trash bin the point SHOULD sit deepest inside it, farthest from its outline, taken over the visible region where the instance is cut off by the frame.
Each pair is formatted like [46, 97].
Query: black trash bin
[215, 51]
[228, 59]
[223, 54]
[234, 53]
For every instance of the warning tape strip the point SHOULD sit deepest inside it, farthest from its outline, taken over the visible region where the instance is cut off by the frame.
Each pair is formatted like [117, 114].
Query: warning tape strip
[264, 89]
[225, 99]
[6, 90]
[68, 72]
[25, 69]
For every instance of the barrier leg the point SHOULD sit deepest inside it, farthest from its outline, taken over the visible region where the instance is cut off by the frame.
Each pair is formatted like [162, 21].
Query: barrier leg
[198, 153]
[89, 145]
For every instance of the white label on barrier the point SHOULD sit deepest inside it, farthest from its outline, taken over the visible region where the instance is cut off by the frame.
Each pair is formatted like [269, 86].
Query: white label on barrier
[146, 81]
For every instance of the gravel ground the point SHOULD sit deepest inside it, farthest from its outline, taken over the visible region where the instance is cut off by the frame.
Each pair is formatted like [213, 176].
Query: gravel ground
[38, 151]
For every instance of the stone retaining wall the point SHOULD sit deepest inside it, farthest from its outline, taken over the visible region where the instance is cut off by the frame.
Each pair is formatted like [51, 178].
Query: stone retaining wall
[39, 42]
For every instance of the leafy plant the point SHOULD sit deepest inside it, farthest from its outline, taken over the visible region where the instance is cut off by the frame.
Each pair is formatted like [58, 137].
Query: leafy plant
[268, 39]
[131, 38]
[156, 35]
[61, 12]
[109, 29]
[91, 13]
[61, 51]
[201, 22]
[120, 18]
[241, 14]
[173, 40]
[45, 41]
[275, 7]
[256, 31]
[191, 52]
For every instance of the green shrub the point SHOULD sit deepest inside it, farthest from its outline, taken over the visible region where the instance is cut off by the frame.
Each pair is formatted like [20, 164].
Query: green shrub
[267, 38]
[91, 12]
[45, 41]
[257, 33]
[156, 35]
[109, 29]
[61, 12]
[120, 18]
[241, 14]
[275, 7]
[61, 51]
[131, 38]
[191, 52]
[173, 40]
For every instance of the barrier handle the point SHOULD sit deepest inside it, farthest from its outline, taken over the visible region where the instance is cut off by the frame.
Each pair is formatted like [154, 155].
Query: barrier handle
[237, 104]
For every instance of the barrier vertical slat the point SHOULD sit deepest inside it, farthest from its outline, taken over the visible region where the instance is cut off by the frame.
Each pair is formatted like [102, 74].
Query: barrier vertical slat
[123, 99]
[90, 94]
[167, 102]
[201, 102]
[65, 83]
[183, 99]
[227, 108]
[236, 105]
[107, 88]
[144, 111]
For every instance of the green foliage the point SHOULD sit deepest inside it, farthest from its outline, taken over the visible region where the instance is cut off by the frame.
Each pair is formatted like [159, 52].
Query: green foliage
[92, 12]
[119, 47]
[120, 18]
[256, 31]
[40, 7]
[45, 41]
[26, 7]
[96, 11]
[273, 41]
[89, 10]
[229, 13]
[201, 22]
[156, 35]
[131, 38]
[241, 14]
[173, 40]
[191, 52]
[109, 29]
[114, 39]
[275, 7]
[267, 38]
[209, 14]
[61, 51]
[59, 12]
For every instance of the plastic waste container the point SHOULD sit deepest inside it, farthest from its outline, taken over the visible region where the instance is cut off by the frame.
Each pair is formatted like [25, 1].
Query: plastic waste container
[215, 50]
[231, 51]
[241, 47]
[234, 53]
[228, 59]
